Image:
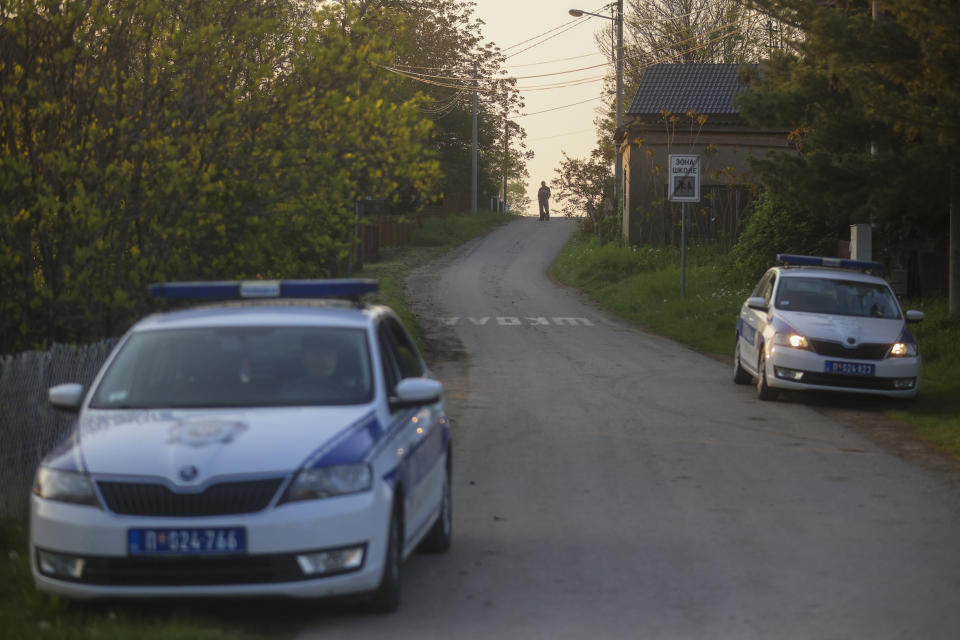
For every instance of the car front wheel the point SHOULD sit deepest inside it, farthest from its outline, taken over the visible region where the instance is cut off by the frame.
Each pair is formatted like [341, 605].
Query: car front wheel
[764, 391]
[439, 537]
[386, 599]
[740, 375]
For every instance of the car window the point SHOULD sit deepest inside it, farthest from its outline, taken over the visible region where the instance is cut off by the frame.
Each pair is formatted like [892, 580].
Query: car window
[764, 288]
[408, 358]
[837, 297]
[388, 359]
[239, 367]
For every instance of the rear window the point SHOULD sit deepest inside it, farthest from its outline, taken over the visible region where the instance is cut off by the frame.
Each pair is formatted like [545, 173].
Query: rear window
[239, 367]
[837, 297]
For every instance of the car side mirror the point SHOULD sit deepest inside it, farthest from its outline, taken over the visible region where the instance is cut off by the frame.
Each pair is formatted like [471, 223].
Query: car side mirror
[758, 303]
[416, 392]
[914, 316]
[66, 397]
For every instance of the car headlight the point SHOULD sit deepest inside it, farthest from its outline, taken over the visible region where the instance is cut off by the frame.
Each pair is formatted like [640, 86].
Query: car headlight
[65, 486]
[904, 350]
[326, 482]
[793, 340]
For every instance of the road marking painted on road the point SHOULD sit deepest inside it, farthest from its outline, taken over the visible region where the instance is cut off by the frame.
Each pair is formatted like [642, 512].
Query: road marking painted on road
[518, 321]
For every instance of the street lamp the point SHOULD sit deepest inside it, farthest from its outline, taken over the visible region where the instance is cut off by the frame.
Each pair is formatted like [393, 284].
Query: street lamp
[616, 14]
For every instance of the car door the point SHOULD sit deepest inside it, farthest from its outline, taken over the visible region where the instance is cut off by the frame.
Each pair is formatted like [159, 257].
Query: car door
[753, 321]
[422, 470]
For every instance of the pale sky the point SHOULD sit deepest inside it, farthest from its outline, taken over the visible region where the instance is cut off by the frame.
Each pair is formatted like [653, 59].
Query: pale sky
[570, 129]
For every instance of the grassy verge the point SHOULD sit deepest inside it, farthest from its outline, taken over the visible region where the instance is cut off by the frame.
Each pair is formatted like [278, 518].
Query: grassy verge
[27, 613]
[643, 285]
[936, 412]
[436, 237]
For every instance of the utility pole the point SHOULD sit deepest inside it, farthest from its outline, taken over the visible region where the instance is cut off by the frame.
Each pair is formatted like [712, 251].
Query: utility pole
[474, 169]
[618, 191]
[616, 14]
[506, 147]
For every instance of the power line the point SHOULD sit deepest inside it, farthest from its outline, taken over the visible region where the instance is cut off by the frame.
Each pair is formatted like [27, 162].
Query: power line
[467, 84]
[417, 75]
[537, 64]
[537, 44]
[540, 75]
[572, 104]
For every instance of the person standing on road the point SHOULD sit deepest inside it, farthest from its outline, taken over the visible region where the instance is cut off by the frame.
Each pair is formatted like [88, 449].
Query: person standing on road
[543, 196]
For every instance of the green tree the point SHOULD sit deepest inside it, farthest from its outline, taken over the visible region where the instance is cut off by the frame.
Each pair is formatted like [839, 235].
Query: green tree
[146, 140]
[586, 187]
[441, 51]
[900, 70]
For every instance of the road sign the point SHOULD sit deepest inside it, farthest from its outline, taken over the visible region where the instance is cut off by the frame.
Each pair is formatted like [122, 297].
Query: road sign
[684, 178]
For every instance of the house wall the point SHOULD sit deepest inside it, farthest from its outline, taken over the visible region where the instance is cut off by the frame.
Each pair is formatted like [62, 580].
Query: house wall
[649, 218]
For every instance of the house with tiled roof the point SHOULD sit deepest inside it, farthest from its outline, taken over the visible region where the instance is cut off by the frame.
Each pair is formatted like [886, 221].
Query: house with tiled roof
[689, 108]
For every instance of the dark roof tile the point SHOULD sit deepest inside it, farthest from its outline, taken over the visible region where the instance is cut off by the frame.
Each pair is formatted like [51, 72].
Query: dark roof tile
[705, 88]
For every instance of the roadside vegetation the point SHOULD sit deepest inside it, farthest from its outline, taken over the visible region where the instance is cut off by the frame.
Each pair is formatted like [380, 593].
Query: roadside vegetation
[28, 614]
[643, 285]
[434, 238]
[185, 140]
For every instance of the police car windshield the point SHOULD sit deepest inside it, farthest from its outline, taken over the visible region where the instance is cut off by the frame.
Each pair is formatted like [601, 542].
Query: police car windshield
[836, 297]
[238, 367]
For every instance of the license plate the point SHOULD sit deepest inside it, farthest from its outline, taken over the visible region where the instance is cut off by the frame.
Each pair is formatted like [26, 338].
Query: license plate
[206, 541]
[848, 368]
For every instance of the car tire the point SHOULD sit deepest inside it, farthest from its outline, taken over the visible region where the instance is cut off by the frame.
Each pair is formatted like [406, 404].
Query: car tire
[764, 391]
[386, 599]
[440, 536]
[740, 375]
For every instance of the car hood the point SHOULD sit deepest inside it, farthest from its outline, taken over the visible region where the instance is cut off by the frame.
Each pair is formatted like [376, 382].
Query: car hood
[189, 446]
[848, 330]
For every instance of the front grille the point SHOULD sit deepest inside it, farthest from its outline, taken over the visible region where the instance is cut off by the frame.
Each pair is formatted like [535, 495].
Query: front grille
[128, 572]
[851, 382]
[865, 351]
[225, 498]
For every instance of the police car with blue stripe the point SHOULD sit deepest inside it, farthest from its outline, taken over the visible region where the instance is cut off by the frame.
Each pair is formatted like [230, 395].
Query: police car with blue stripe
[290, 442]
[826, 324]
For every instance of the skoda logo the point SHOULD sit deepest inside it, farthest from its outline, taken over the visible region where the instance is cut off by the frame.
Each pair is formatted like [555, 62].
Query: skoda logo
[188, 473]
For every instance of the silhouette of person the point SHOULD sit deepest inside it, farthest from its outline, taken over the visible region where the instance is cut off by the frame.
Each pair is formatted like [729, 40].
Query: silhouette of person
[543, 196]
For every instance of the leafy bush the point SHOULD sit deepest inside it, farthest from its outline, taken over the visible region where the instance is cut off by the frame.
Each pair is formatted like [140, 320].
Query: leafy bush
[773, 228]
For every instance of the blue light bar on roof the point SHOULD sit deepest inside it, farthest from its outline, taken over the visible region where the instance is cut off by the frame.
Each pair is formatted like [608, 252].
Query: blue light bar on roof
[840, 263]
[235, 290]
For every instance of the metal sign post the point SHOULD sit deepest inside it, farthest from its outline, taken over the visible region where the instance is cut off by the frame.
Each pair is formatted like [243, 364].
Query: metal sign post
[683, 249]
[684, 187]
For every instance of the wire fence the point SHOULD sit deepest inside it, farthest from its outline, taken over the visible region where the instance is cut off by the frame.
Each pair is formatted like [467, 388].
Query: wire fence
[29, 426]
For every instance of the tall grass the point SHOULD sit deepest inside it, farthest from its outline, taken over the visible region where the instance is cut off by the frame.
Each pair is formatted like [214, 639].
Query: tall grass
[644, 285]
[936, 412]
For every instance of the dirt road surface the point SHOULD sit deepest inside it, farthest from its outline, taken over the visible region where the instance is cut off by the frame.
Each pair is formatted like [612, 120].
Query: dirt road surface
[609, 483]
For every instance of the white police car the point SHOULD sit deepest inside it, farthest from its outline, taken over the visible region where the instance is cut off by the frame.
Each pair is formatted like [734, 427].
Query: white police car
[826, 324]
[294, 447]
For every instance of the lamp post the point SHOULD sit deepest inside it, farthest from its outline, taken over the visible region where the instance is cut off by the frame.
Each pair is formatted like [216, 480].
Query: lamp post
[616, 14]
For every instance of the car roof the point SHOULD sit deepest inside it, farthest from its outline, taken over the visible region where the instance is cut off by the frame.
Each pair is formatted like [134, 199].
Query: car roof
[321, 313]
[829, 273]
